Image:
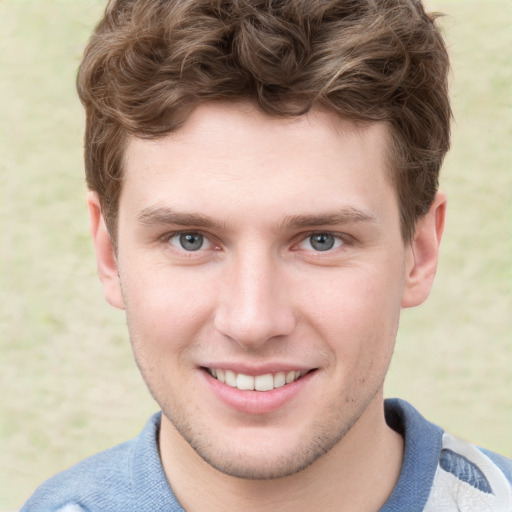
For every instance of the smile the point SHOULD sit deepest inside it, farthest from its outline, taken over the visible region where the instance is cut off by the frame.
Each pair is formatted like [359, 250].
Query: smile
[266, 382]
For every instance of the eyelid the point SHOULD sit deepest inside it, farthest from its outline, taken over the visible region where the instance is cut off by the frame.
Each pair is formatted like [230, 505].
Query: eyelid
[343, 237]
[169, 235]
[177, 242]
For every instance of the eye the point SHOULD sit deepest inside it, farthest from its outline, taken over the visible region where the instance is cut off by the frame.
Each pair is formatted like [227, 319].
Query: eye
[321, 242]
[189, 241]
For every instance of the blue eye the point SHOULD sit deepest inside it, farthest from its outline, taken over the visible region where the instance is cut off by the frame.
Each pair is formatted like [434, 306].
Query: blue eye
[189, 241]
[321, 242]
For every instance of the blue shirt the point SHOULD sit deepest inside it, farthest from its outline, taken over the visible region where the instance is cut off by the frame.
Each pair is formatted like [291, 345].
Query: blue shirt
[440, 473]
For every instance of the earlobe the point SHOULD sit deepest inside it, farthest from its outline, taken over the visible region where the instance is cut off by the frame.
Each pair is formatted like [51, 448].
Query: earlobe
[421, 264]
[105, 253]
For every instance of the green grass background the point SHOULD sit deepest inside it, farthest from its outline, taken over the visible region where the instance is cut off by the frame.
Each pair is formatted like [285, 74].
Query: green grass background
[68, 385]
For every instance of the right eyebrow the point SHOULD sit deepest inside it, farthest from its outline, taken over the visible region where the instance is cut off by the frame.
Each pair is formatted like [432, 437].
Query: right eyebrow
[160, 215]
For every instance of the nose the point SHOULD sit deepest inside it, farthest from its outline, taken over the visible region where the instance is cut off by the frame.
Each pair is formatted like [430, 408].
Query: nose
[254, 305]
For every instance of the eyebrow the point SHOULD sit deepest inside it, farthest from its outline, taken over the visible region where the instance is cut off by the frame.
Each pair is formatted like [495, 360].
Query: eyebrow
[340, 217]
[167, 216]
[160, 215]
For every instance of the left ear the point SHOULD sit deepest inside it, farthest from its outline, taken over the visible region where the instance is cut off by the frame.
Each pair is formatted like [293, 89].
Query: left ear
[423, 254]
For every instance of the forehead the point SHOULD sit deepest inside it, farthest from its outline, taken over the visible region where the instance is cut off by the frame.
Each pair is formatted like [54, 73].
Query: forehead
[224, 124]
[233, 154]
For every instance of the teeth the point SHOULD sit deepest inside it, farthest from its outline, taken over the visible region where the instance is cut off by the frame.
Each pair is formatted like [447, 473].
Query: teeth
[279, 379]
[265, 382]
[230, 378]
[244, 381]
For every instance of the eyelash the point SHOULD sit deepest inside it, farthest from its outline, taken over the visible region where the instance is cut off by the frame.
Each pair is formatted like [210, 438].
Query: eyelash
[340, 239]
[168, 237]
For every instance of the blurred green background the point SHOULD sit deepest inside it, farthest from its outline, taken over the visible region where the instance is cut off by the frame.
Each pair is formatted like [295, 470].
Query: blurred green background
[68, 384]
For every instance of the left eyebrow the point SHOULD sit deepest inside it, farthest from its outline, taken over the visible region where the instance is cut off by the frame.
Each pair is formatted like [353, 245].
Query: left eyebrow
[342, 217]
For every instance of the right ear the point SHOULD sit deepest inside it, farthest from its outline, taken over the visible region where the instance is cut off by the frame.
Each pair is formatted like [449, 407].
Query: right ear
[105, 254]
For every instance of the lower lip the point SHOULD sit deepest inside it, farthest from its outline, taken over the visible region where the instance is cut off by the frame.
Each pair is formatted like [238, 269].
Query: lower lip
[257, 402]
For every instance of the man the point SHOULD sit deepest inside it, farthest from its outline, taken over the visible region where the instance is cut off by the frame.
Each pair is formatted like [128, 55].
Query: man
[263, 202]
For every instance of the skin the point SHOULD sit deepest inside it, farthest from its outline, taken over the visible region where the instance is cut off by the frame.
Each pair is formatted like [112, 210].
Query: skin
[257, 296]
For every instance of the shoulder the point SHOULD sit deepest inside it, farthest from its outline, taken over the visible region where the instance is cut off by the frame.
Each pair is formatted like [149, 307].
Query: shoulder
[104, 481]
[442, 473]
[504, 463]
[470, 479]
[93, 481]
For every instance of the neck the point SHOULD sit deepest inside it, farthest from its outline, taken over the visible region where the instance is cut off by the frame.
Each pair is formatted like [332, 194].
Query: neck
[358, 474]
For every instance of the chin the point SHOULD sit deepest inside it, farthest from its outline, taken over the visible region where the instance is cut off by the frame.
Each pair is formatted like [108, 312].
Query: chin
[267, 467]
[264, 455]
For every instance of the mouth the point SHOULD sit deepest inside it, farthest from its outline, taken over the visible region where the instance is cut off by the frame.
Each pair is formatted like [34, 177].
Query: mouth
[265, 382]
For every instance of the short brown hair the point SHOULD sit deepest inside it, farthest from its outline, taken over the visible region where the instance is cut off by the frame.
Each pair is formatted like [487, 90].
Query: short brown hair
[149, 63]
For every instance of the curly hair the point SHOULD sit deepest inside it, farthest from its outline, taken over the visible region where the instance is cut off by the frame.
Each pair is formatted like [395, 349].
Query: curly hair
[149, 63]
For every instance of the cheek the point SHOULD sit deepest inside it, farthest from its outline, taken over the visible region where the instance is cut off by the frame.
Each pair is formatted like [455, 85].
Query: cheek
[357, 311]
[164, 309]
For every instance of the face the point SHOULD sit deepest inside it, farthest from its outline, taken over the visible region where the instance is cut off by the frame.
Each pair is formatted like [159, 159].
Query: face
[262, 271]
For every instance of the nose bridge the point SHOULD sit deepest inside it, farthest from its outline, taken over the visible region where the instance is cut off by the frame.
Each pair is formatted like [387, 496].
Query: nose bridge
[252, 307]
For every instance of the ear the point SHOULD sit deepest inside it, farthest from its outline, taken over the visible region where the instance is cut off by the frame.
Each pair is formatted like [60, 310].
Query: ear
[105, 254]
[423, 254]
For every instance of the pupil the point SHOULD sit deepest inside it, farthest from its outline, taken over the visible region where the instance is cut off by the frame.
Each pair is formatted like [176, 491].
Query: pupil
[191, 241]
[322, 242]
